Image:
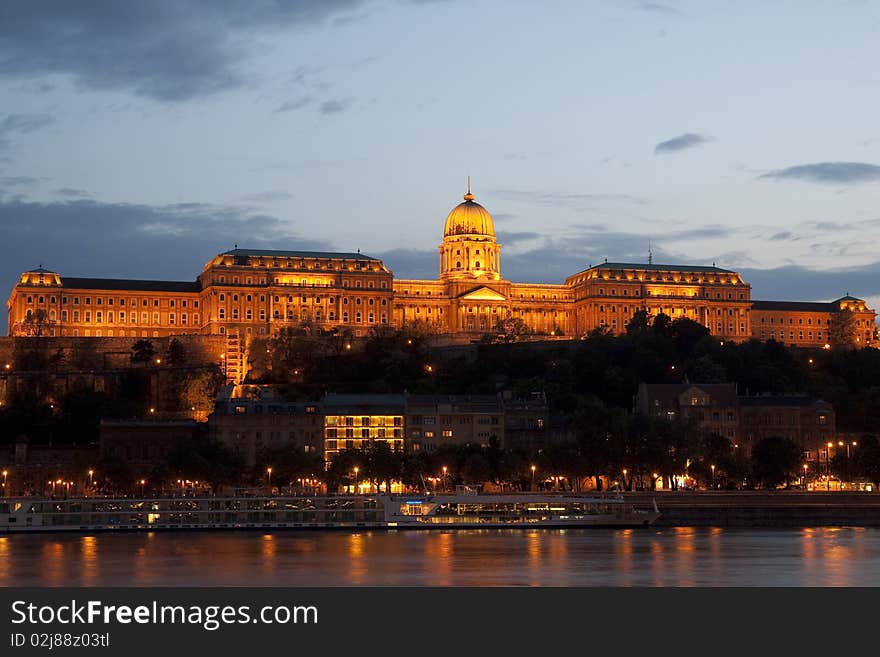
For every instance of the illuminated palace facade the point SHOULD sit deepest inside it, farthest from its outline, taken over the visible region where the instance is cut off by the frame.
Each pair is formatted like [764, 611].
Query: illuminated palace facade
[246, 293]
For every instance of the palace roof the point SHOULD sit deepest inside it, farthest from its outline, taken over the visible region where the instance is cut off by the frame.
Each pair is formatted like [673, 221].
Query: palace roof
[653, 267]
[804, 306]
[272, 253]
[129, 284]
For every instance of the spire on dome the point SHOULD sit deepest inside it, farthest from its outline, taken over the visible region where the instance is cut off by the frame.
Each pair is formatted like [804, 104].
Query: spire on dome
[469, 196]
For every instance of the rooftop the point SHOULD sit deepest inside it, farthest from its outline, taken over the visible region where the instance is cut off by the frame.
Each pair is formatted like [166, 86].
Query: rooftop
[806, 306]
[653, 267]
[129, 284]
[272, 253]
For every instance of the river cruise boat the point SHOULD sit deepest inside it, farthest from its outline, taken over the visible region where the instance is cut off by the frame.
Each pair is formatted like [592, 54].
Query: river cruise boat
[311, 512]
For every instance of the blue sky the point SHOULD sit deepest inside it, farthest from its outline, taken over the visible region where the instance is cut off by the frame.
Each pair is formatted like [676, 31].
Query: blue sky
[140, 139]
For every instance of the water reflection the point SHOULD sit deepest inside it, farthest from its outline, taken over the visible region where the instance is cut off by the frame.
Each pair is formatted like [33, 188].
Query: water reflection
[590, 557]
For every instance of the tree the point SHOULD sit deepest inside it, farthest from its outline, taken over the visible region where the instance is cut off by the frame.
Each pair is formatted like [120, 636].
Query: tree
[37, 323]
[176, 353]
[142, 351]
[842, 330]
[638, 323]
[866, 459]
[775, 461]
[508, 330]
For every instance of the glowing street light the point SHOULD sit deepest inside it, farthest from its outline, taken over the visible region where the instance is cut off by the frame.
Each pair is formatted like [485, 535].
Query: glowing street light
[713, 474]
[356, 470]
[5, 473]
[91, 478]
[805, 476]
[828, 466]
[269, 478]
[533, 477]
[624, 478]
[142, 482]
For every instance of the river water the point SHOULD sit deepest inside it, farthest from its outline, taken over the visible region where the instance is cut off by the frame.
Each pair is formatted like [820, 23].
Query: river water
[676, 556]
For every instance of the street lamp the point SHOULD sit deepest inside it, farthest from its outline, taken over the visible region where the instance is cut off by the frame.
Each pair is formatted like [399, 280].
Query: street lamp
[142, 483]
[356, 470]
[5, 473]
[444, 477]
[805, 476]
[712, 467]
[269, 478]
[828, 466]
[533, 477]
[624, 479]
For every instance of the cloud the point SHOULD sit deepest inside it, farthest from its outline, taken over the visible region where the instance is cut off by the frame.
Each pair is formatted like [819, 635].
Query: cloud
[511, 238]
[569, 200]
[162, 49]
[680, 143]
[19, 124]
[335, 106]
[268, 196]
[827, 172]
[292, 105]
[84, 237]
[72, 193]
[782, 236]
[657, 8]
[13, 181]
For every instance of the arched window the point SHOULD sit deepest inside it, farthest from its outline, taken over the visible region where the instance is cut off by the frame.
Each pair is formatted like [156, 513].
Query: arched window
[458, 265]
[477, 263]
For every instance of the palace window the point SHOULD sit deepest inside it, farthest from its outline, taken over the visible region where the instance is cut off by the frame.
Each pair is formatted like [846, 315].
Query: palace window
[235, 313]
[171, 318]
[222, 313]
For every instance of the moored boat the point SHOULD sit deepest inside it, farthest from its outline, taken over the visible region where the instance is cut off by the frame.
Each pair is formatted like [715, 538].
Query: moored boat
[436, 511]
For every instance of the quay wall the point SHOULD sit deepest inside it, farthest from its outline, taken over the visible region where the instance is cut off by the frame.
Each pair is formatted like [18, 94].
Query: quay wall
[762, 509]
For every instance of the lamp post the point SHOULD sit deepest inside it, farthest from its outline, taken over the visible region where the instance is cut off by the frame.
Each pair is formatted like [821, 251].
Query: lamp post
[624, 479]
[444, 477]
[269, 479]
[356, 470]
[828, 467]
[805, 476]
[533, 477]
[5, 473]
[142, 483]
[712, 467]
[91, 478]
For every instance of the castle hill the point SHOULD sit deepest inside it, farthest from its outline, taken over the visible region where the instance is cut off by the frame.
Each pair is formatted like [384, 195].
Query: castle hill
[289, 371]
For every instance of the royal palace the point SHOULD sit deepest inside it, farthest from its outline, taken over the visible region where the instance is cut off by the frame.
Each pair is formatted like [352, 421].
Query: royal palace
[244, 293]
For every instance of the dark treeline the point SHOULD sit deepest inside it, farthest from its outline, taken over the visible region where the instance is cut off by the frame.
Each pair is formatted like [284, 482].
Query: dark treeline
[589, 383]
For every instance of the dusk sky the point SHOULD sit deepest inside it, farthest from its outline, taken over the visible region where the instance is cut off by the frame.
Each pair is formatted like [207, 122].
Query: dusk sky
[139, 139]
